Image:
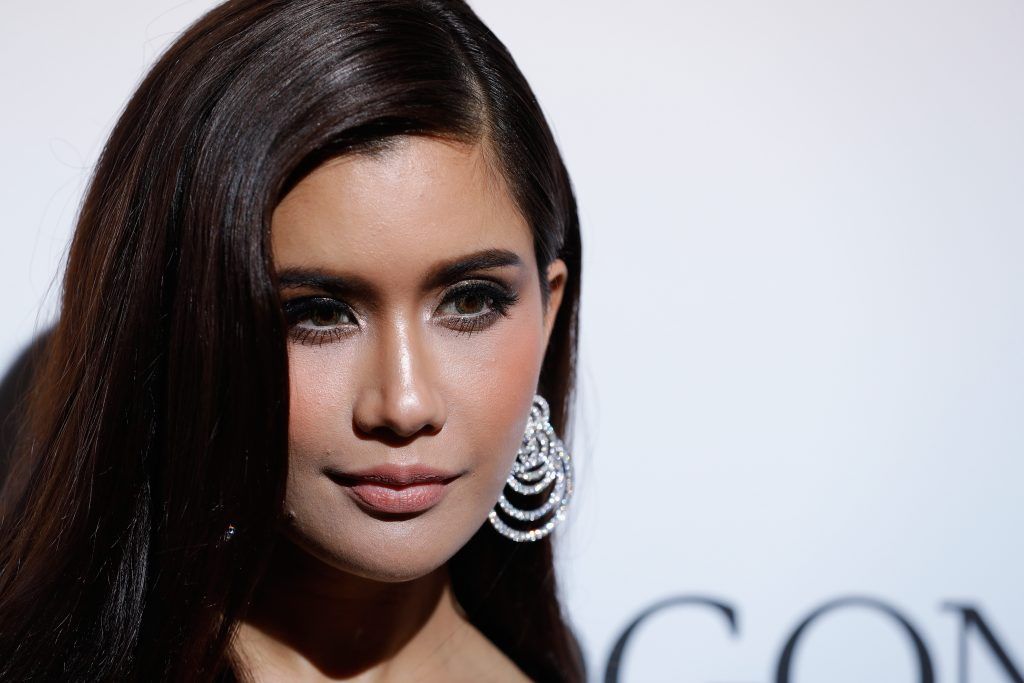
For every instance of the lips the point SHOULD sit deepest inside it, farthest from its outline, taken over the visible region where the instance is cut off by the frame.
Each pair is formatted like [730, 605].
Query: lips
[396, 489]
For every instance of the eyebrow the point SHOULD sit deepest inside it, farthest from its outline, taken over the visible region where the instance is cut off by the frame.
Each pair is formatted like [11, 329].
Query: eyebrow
[441, 274]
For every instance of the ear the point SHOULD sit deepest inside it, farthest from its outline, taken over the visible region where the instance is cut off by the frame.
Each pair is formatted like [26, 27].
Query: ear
[557, 276]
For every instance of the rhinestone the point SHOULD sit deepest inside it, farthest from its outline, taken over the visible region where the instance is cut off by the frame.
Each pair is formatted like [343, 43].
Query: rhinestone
[540, 462]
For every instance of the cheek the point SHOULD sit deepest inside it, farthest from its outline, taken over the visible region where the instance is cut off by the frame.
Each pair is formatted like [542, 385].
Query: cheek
[491, 383]
[318, 430]
[317, 423]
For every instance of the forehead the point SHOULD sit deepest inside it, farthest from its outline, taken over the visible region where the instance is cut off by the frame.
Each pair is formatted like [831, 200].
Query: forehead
[397, 212]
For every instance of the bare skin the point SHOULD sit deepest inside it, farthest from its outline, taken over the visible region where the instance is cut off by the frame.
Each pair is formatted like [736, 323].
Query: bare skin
[314, 625]
[403, 370]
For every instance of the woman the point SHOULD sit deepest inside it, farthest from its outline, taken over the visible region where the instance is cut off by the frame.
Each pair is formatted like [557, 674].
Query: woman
[291, 424]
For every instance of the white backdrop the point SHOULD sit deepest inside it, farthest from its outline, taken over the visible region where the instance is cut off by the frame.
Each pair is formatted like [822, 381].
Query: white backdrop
[803, 308]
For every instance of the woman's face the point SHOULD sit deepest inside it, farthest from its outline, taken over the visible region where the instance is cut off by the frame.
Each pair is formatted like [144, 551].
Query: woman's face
[416, 341]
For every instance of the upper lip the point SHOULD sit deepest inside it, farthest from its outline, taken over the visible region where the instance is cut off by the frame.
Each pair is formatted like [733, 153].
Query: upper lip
[394, 475]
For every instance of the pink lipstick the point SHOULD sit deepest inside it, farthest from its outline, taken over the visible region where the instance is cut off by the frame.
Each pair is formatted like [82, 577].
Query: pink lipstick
[396, 489]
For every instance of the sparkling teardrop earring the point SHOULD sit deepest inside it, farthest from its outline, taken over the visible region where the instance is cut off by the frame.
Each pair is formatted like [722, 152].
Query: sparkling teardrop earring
[541, 461]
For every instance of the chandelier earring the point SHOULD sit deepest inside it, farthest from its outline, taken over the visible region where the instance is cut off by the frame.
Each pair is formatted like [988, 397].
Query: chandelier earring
[541, 463]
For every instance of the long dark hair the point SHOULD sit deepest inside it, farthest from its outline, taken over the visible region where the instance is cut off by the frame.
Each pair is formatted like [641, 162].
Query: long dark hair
[159, 412]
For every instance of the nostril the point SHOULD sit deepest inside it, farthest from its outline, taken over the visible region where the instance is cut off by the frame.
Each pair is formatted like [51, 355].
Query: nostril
[392, 437]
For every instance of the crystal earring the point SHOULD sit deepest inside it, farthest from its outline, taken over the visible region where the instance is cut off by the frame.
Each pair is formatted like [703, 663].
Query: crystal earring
[540, 462]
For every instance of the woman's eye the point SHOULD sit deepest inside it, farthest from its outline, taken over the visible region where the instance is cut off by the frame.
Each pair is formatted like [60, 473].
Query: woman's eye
[322, 315]
[471, 303]
[315, 320]
[476, 307]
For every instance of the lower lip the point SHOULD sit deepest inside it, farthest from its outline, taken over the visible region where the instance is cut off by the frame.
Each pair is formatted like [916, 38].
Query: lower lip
[404, 499]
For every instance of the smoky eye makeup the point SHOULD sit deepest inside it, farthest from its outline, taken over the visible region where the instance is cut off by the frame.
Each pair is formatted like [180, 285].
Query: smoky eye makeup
[467, 307]
[318, 319]
[476, 305]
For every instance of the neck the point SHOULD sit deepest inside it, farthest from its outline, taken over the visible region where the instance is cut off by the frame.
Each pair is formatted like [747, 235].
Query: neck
[310, 621]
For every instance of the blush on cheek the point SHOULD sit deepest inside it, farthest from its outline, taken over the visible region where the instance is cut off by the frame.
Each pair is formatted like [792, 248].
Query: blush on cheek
[315, 406]
[302, 404]
[492, 383]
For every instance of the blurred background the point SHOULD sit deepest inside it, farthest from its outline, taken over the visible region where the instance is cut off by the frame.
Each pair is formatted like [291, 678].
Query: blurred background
[801, 374]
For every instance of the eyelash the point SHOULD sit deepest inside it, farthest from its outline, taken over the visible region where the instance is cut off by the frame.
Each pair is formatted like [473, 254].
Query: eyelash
[498, 300]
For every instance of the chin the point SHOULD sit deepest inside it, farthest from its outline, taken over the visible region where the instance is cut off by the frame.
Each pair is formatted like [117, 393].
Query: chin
[399, 554]
[394, 573]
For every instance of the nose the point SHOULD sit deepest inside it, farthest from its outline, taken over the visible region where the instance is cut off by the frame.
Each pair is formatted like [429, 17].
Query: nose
[400, 396]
